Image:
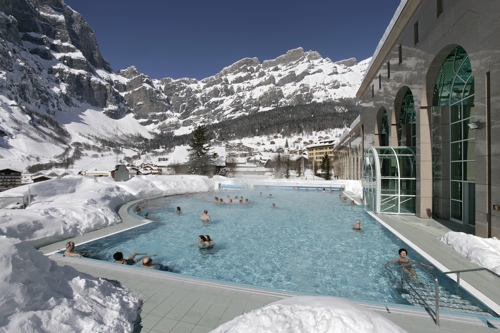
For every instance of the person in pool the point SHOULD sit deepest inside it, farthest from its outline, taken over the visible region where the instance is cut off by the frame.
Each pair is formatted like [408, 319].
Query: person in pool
[119, 259]
[70, 246]
[402, 260]
[357, 225]
[147, 262]
[204, 242]
[205, 217]
[216, 200]
[178, 210]
[221, 201]
[209, 242]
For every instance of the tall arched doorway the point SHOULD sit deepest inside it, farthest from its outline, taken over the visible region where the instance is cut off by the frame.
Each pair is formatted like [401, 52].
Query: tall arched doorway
[453, 140]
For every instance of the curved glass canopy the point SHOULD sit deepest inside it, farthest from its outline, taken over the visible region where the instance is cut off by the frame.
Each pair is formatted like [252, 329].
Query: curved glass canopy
[389, 184]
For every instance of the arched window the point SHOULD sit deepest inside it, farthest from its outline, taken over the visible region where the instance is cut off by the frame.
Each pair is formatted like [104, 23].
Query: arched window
[455, 88]
[407, 133]
[384, 129]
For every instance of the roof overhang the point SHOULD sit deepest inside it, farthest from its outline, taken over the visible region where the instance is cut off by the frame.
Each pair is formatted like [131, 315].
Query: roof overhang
[400, 20]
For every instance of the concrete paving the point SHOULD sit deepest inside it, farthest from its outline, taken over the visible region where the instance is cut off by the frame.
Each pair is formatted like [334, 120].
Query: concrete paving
[174, 303]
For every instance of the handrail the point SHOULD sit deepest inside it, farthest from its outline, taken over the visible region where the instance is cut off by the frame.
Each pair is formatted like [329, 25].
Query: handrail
[436, 288]
[468, 270]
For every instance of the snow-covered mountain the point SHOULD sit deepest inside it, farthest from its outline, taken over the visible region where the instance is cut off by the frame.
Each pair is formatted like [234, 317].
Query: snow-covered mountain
[56, 88]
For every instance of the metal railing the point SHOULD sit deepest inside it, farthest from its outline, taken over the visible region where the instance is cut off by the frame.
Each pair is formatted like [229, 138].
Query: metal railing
[436, 289]
[468, 270]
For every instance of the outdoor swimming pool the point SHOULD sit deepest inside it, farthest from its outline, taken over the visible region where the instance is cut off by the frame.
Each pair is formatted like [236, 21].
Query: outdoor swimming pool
[304, 245]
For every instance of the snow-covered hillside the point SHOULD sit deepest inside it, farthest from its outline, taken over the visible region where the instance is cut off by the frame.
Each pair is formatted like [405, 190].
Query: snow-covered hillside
[58, 93]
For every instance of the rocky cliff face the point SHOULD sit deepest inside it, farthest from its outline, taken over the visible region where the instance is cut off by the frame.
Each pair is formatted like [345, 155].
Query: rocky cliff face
[50, 63]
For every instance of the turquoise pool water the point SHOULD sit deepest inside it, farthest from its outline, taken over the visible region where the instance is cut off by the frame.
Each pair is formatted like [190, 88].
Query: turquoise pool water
[306, 244]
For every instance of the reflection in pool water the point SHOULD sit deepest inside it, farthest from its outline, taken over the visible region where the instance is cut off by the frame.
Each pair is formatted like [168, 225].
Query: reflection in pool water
[306, 244]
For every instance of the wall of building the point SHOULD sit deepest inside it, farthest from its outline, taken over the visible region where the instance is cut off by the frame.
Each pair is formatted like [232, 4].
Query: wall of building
[475, 26]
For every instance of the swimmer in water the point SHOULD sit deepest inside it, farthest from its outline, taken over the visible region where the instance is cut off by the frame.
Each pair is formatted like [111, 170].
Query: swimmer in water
[402, 260]
[216, 200]
[205, 217]
[273, 206]
[70, 246]
[357, 225]
[178, 210]
[147, 262]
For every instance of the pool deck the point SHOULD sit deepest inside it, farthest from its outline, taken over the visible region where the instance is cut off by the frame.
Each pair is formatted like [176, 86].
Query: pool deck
[174, 303]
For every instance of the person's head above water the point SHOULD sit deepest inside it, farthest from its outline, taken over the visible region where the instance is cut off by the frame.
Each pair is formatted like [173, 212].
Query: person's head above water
[118, 256]
[205, 211]
[201, 238]
[147, 261]
[70, 245]
[402, 250]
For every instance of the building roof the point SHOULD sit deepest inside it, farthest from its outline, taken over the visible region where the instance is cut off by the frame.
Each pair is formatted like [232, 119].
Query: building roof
[10, 170]
[317, 145]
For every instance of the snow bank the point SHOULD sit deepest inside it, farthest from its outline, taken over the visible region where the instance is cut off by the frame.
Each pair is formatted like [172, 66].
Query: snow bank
[72, 206]
[36, 295]
[310, 314]
[482, 251]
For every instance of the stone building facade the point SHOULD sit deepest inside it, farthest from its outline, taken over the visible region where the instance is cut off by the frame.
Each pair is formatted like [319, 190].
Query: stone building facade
[433, 86]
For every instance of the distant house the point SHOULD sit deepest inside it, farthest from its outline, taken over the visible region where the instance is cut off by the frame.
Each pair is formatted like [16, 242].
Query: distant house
[9, 178]
[96, 173]
[120, 173]
[40, 178]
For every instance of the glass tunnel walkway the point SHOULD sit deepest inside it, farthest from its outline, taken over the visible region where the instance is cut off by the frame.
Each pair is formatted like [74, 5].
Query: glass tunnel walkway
[389, 184]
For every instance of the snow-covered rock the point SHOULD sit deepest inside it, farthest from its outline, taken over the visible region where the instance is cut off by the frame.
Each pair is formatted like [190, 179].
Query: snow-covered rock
[482, 251]
[310, 314]
[37, 295]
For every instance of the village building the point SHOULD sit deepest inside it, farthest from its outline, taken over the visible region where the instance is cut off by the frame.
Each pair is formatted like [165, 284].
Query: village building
[10, 178]
[120, 173]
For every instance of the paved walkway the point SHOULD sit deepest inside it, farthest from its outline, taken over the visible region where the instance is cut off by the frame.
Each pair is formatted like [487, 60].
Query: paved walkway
[173, 303]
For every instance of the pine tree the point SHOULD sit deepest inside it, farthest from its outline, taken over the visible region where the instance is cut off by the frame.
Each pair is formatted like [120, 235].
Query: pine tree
[278, 172]
[198, 163]
[325, 167]
[299, 168]
[287, 170]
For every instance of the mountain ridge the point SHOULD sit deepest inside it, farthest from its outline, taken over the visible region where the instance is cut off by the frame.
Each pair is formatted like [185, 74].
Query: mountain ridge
[56, 88]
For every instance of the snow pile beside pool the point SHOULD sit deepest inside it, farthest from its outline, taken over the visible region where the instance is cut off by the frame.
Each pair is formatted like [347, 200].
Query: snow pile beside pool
[482, 251]
[310, 314]
[72, 206]
[36, 295]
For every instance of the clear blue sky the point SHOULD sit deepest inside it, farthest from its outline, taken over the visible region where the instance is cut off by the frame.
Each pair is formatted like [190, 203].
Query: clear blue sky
[198, 38]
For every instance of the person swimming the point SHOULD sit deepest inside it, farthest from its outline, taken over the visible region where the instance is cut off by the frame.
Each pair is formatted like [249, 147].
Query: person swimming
[147, 262]
[357, 225]
[204, 242]
[178, 210]
[119, 259]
